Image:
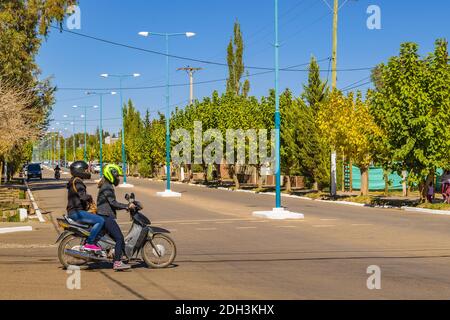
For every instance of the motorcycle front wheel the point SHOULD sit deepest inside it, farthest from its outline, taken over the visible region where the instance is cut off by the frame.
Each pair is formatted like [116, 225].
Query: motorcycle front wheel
[159, 252]
[71, 242]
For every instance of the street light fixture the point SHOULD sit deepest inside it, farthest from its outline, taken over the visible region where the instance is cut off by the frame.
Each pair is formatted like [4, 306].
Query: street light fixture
[168, 192]
[121, 78]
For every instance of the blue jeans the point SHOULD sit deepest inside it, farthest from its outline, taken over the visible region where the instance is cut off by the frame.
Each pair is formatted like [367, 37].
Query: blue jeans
[88, 218]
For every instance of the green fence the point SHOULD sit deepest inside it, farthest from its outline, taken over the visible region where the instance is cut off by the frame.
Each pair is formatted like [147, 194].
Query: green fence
[376, 179]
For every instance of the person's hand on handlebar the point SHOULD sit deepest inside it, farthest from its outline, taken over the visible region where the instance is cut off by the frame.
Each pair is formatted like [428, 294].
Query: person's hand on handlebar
[131, 206]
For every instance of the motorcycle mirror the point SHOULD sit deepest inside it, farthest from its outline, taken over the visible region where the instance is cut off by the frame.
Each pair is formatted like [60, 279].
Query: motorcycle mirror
[132, 196]
[127, 197]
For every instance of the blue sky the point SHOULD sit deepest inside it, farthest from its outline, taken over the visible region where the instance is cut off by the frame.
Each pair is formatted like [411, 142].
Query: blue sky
[305, 30]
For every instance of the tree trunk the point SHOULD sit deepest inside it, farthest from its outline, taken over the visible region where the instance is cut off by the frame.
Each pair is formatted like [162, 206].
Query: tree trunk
[315, 186]
[404, 183]
[237, 185]
[205, 173]
[288, 184]
[386, 182]
[351, 174]
[189, 172]
[1, 172]
[364, 180]
[258, 176]
[424, 185]
[219, 176]
[343, 173]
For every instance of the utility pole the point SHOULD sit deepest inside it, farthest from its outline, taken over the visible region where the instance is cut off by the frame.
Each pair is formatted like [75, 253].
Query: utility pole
[334, 85]
[191, 71]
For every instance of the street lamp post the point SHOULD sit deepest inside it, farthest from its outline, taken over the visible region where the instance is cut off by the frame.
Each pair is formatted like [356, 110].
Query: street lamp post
[101, 94]
[168, 192]
[278, 212]
[124, 156]
[84, 116]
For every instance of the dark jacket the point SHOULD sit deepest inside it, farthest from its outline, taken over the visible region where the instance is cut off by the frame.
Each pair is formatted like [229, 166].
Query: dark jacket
[77, 200]
[106, 200]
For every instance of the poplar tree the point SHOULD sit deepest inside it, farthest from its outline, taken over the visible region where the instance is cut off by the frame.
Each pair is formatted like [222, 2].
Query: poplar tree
[236, 68]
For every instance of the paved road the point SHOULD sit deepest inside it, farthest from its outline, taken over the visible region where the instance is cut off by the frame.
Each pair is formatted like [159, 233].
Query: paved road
[225, 253]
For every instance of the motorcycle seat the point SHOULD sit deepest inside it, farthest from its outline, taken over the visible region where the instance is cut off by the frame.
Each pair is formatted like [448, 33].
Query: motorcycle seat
[76, 224]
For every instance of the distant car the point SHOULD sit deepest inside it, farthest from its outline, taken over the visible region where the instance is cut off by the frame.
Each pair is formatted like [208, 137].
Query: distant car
[34, 171]
[96, 168]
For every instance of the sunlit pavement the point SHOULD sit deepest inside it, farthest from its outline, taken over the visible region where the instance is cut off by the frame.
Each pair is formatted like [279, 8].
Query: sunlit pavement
[226, 253]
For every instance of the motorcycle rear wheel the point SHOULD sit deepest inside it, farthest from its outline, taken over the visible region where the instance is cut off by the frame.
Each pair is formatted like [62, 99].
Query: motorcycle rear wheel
[72, 242]
[165, 255]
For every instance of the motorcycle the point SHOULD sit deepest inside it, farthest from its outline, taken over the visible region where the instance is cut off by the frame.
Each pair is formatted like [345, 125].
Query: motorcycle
[57, 175]
[142, 243]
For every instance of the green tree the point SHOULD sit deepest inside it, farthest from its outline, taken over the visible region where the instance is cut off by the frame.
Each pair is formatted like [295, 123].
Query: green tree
[133, 135]
[412, 109]
[315, 151]
[23, 25]
[235, 59]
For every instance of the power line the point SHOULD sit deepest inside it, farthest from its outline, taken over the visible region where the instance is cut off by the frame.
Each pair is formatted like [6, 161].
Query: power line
[355, 83]
[152, 51]
[206, 81]
[288, 69]
[357, 86]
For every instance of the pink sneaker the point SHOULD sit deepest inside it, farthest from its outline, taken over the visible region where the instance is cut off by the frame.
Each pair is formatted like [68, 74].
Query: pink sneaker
[91, 247]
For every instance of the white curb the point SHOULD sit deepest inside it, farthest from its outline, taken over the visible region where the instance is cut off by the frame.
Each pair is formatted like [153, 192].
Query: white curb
[15, 229]
[126, 185]
[35, 206]
[278, 214]
[168, 194]
[431, 211]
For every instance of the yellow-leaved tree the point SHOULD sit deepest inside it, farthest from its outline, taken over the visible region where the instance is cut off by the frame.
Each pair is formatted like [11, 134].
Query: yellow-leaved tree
[346, 123]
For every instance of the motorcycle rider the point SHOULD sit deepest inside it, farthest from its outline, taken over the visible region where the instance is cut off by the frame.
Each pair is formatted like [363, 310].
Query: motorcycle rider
[107, 206]
[57, 171]
[79, 201]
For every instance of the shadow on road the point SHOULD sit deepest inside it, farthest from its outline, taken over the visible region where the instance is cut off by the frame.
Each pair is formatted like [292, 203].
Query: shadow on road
[313, 259]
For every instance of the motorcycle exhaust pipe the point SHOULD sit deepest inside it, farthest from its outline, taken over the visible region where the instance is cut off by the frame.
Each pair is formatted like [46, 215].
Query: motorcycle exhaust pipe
[84, 255]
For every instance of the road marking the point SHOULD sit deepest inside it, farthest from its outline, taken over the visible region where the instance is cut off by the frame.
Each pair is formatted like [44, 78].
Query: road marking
[224, 222]
[206, 229]
[361, 224]
[328, 219]
[324, 226]
[189, 223]
[286, 226]
[242, 228]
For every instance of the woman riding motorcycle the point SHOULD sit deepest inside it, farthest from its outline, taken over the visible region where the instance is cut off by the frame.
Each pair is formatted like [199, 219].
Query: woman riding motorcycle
[78, 202]
[107, 206]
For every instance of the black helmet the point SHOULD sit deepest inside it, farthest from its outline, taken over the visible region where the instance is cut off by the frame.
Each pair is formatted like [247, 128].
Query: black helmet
[80, 169]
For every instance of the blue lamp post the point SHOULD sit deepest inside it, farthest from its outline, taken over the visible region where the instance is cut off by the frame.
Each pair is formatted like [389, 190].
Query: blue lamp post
[168, 192]
[124, 156]
[278, 212]
[101, 94]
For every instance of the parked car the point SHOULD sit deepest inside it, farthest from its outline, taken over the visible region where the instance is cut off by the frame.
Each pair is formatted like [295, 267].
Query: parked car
[34, 170]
